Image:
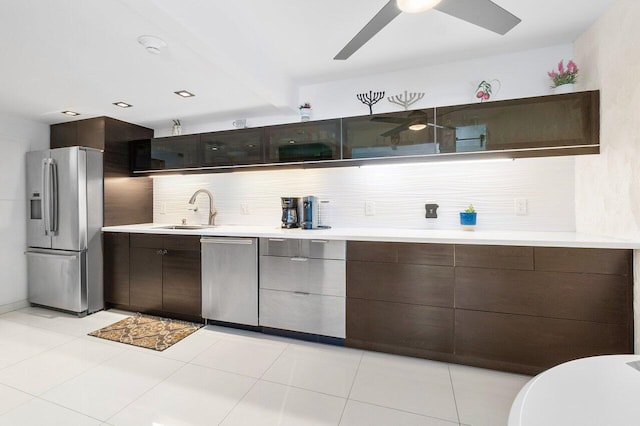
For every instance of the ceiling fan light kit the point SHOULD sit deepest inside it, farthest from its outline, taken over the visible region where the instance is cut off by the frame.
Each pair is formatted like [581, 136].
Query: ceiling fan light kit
[416, 6]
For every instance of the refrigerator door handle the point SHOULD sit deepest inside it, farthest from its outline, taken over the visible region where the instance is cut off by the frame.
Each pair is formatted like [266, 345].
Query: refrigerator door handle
[53, 167]
[46, 176]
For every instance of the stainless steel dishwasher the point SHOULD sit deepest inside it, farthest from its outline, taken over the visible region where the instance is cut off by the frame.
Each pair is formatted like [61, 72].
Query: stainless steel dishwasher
[230, 279]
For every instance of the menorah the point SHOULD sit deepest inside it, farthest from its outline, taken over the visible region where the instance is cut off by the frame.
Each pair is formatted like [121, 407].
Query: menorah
[370, 99]
[406, 100]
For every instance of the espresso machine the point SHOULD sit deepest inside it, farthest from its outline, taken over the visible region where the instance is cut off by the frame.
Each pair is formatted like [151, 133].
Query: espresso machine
[289, 212]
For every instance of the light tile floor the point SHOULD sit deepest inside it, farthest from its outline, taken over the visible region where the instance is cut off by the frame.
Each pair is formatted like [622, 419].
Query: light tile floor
[52, 373]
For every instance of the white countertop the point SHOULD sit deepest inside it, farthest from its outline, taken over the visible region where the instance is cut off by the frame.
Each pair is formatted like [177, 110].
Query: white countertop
[508, 238]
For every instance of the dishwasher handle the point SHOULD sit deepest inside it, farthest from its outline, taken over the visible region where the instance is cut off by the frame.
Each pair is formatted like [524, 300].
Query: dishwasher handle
[226, 240]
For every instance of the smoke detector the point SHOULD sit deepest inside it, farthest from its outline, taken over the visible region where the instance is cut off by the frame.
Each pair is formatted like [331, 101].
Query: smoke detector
[152, 44]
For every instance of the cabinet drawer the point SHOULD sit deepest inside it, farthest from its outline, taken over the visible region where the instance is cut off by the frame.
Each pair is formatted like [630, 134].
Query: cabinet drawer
[587, 297]
[408, 253]
[317, 276]
[584, 260]
[312, 248]
[398, 327]
[414, 284]
[534, 341]
[182, 242]
[147, 240]
[498, 257]
[307, 313]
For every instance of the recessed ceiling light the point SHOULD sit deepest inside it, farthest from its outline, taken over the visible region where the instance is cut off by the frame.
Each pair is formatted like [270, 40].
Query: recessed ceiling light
[71, 113]
[122, 104]
[184, 94]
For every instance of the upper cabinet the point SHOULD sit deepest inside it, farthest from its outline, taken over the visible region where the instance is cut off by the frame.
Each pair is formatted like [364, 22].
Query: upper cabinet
[232, 148]
[559, 121]
[566, 124]
[308, 141]
[389, 135]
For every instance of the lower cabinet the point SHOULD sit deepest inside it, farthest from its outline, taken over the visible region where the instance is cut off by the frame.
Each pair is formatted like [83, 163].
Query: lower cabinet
[302, 285]
[162, 273]
[519, 309]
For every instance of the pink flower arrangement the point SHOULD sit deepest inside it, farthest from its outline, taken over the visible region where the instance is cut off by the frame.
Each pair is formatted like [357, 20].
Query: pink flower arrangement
[564, 75]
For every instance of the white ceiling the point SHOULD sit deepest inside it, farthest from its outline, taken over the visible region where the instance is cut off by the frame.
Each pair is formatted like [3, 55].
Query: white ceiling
[241, 57]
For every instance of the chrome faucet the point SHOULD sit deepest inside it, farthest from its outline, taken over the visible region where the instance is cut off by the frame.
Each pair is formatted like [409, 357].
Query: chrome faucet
[212, 211]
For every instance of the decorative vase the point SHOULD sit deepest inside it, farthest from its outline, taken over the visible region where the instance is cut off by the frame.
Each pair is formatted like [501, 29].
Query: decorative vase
[305, 114]
[468, 221]
[564, 88]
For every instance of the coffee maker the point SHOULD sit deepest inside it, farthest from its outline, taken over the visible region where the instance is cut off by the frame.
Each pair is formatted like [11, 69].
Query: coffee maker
[289, 212]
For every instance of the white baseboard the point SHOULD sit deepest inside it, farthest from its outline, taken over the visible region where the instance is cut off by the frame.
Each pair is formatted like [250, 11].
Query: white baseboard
[13, 306]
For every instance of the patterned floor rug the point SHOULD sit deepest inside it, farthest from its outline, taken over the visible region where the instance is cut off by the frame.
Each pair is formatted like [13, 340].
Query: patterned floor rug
[147, 331]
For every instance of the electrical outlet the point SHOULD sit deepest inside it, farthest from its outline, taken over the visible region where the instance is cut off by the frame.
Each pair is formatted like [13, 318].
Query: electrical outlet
[244, 208]
[521, 206]
[163, 208]
[369, 208]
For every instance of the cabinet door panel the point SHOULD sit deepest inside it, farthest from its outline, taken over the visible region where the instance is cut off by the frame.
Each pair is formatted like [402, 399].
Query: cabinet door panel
[499, 257]
[425, 254]
[415, 284]
[310, 141]
[176, 152]
[235, 147]
[535, 341]
[372, 251]
[588, 297]
[146, 278]
[182, 283]
[116, 268]
[147, 241]
[399, 327]
[181, 242]
[584, 260]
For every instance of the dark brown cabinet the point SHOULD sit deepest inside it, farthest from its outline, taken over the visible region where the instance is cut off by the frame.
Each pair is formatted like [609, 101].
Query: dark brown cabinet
[538, 122]
[389, 135]
[232, 148]
[116, 268]
[175, 152]
[309, 141]
[520, 309]
[400, 298]
[161, 272]
[126, 200]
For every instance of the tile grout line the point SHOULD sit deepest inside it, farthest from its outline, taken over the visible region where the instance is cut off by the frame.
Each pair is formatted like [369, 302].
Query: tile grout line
[254, 383]
[405, 411]
[184, 364]
[353, 382]
[453, 390]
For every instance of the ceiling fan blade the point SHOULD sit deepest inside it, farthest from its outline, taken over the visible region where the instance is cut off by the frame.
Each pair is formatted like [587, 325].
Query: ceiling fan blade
[378, 22]
[483, 13]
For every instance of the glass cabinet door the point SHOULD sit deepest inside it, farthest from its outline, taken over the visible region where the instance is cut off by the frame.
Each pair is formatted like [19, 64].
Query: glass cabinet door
[541, 122]
[308, 141]
[389, 135]
[231, 148]
[175, 152]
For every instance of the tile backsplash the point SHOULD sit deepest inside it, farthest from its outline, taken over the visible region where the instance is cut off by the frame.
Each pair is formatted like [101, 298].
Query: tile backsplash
[397, 194]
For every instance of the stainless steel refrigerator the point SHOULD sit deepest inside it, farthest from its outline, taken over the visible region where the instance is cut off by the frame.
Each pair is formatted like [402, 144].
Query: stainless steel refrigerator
[64, 220]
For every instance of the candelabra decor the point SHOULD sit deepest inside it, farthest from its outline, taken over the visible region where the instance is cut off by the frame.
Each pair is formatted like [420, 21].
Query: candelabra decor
[407, 99]
[370, 99]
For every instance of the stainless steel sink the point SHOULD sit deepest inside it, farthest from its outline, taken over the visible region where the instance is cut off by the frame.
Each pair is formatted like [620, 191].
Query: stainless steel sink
[184, 227]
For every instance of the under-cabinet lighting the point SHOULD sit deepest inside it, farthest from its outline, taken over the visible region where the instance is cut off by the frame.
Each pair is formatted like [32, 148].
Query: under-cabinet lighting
[122, 104]
[184, 94]
[71, 113]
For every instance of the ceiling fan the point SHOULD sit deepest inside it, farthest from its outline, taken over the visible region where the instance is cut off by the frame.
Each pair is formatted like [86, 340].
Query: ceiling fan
[483, 13]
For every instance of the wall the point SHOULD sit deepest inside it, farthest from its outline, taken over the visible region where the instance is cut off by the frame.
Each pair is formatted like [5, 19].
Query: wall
[17, 136]
[608, 185]
[400, 191]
